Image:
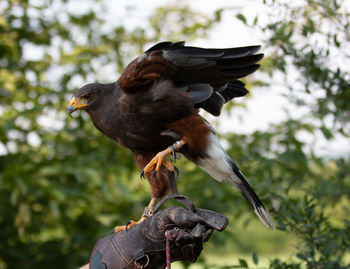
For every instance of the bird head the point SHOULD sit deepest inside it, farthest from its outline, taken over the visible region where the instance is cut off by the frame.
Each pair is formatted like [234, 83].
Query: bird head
[84, 98]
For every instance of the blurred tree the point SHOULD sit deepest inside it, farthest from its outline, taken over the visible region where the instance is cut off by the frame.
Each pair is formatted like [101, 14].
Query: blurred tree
[63, 185]
[307, 44]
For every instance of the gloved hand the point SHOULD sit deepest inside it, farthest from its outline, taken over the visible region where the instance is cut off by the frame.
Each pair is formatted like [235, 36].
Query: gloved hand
[144, 244]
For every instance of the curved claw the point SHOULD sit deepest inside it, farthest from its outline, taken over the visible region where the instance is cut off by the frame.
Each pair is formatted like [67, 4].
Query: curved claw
[177, 172]
[142, 175]
[126, 225]
[130, 223]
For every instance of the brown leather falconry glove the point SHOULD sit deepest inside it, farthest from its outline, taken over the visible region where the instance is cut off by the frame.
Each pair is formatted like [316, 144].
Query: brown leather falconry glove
[144, 245]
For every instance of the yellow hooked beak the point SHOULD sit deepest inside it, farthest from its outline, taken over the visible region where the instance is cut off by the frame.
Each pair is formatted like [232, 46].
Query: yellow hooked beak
[75, 104]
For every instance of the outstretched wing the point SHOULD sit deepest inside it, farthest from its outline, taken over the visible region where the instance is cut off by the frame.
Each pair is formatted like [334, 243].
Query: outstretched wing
[209, 76]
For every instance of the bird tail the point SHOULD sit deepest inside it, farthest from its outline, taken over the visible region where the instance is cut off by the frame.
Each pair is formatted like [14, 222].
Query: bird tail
[239, 180]
[220, 166]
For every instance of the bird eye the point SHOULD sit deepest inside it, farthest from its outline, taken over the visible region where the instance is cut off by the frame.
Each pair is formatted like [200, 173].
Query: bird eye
[87, 96]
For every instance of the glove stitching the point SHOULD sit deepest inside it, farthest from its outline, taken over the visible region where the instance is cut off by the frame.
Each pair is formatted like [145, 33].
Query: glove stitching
[120, 253]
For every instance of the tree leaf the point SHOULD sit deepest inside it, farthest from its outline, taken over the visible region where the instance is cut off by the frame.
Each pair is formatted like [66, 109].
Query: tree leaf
[241, 17]
[243, 263]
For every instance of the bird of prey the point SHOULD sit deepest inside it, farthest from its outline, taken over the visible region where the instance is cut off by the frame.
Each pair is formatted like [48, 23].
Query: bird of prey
[152, 109]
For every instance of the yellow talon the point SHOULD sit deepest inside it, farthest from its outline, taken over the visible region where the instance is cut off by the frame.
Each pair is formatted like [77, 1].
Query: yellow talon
[133, 223]
[158, 160]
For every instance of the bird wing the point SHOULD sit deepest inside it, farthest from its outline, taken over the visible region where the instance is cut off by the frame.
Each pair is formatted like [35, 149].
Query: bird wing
[209, 76]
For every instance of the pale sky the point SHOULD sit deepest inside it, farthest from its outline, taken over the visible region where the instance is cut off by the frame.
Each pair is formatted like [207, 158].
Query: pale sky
[265, 105]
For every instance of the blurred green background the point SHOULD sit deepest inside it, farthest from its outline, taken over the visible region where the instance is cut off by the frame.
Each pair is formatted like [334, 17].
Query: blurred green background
[63, 184]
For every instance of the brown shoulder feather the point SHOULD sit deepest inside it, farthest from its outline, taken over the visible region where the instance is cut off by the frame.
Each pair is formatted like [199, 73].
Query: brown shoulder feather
[145, 69]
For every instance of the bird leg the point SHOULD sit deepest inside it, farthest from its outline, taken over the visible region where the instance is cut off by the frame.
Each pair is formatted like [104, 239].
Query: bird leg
[148, 212]
[159, 159]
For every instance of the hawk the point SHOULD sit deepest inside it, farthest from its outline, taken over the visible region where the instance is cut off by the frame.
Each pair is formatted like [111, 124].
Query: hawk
[152, 109]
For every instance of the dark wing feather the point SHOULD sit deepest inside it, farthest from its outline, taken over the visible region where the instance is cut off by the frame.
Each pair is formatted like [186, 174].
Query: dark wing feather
[165, 45]
[209, 76]
[215, 102]
[198, 92]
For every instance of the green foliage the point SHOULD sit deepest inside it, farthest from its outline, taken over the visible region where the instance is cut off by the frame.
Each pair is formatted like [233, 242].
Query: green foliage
[308, 193]
[63, 185]
[313, 38]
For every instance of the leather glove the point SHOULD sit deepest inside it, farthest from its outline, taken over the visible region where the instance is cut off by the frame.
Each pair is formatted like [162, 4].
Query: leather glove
[143, 245]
